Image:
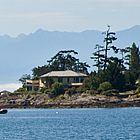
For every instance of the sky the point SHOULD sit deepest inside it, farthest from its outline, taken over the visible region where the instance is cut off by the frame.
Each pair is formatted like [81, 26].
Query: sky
[27, 16]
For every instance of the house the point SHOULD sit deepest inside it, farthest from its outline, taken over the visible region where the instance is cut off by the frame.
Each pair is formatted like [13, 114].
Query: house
[32, 85]
[68, 78]
[4, 92]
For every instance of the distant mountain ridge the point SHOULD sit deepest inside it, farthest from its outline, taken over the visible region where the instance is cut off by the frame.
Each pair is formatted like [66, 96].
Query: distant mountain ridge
[19, 55]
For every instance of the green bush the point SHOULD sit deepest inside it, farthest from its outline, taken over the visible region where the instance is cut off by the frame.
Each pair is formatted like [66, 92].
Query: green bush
[15, 94]
[92, 92]
[47, 91]
[105, 86]
[81, 89]
[48, 81]
[62, 97]
[33, 93]
[57, 88]
[86, 83]
[20, 90]
[71, 91]
[137, 90]
[112, 92]
[84, 95]
[137, 95]
[43, 89]
[94, 83]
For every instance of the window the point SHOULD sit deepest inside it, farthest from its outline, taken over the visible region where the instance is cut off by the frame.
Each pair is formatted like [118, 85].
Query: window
[60, 80]
[76, 80]
[35, 88]
[35, 83]
[42, 80]
[81, 80]
[28, 83]
[29, 88]
[68, 80]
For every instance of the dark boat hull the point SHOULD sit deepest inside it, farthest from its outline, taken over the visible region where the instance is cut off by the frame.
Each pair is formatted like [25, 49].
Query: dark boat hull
[3, 111]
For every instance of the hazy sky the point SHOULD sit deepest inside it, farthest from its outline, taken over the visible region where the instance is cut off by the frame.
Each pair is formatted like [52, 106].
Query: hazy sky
[26, 16]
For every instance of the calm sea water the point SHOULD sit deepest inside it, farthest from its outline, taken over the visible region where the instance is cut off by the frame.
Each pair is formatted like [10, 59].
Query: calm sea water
[71, 124]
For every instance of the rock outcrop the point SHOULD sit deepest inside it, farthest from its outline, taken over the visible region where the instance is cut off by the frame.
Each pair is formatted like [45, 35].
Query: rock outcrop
[75, 101]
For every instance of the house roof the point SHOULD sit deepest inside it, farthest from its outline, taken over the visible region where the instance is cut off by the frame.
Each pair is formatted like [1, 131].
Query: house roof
[4, 91]
[67, 73]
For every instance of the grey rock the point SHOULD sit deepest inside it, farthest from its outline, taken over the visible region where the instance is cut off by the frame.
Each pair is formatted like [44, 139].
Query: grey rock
[82, 100]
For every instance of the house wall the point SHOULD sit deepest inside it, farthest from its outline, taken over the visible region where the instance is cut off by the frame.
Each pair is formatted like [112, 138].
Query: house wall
[55, 79]
[64, 80]
[32, 85]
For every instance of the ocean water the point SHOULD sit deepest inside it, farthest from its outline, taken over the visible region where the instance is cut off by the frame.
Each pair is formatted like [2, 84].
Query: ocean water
[71, 124]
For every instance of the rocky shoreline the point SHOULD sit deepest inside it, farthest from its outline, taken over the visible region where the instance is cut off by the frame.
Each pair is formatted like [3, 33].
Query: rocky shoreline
[75, 101]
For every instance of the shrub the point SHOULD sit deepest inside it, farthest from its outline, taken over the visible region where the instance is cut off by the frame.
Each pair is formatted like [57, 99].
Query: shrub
[48, 81]
[84, 95]
[43, 89]
[94, 83]
[53, 99]
[112, 92]
[33, 93]
[15, 94]
[26, 92]
[47, 91]
[20, 90]
[137, 95]
[86, 83]
[105, 86]
[137, 90]
[71, 91]
[57, 88]
[62, 97]
[79, 89]
[82, 89]
[92, 91]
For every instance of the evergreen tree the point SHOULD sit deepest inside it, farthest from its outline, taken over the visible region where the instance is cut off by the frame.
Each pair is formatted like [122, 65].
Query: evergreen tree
[109, 40]
[94, 82]
[40, 70]
[102, 59]
[135, 60]
[23, 78]
[127, 56]
[98, 56]
[63, 60]
[113, 75]
[123, 52]
[129, 80]
[48, 82]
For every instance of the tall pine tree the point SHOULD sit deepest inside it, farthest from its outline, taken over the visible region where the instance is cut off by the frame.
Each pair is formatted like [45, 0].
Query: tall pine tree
[98, 56]
[110, 37]
[135, 61]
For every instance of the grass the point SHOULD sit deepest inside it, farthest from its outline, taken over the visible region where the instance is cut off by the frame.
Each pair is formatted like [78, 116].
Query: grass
[126, 93]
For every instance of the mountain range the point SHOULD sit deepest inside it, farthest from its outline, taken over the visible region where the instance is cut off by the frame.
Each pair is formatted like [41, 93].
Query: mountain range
[20, 55]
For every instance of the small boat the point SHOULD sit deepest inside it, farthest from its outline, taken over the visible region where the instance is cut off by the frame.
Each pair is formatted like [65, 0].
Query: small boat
[3, 111]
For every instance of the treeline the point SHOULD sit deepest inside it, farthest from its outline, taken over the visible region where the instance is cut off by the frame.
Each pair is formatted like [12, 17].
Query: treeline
[113, 73]
[63, 60]
[122, 73]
